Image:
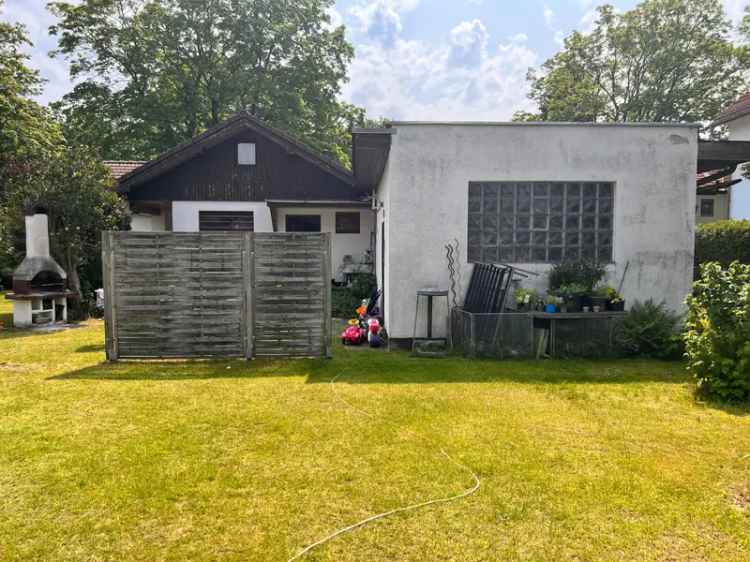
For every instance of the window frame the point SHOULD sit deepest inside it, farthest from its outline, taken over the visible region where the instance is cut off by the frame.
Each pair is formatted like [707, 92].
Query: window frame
[251, 154]
[342, 214]
[540, 222]
[303, 216]
[213, 215]
[710, 200]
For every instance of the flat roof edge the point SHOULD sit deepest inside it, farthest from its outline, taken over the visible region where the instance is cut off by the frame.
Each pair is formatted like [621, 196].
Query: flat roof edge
[543, 124]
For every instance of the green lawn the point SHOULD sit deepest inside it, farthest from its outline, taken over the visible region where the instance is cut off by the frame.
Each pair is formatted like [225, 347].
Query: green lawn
[252, 461]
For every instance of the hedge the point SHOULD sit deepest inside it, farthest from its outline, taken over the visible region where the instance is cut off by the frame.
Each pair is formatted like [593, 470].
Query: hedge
[723, 242]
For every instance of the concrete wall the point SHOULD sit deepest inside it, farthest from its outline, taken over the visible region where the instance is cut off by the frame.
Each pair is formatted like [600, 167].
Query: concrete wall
[185, 214]
[354, 245]
[739, 130]
[424, 193]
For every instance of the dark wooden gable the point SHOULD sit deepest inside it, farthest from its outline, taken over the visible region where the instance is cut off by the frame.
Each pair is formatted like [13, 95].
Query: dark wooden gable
[210, 172]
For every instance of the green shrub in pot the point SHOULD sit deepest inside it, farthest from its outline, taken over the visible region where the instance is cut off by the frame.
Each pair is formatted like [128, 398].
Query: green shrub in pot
[573, 294]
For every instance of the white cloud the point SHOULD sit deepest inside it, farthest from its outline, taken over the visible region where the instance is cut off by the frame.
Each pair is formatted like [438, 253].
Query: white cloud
[549, 16]
[518, 38]
[380, 20]
[735, 9]
[460, 80]
[37, 19]
[335, 16]
[468, 43]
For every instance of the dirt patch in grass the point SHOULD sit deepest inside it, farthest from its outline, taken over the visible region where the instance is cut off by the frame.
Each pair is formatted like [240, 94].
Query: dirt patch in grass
[739, 496]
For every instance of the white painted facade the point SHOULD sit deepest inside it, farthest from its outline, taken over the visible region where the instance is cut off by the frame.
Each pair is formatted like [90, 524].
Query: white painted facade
[186, 214]
[142, 222]
[739, 205]
[343, 244]
[423, 201]
[185, 218]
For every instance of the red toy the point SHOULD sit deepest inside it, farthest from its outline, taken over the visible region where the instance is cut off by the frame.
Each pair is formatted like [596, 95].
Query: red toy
[353, 335]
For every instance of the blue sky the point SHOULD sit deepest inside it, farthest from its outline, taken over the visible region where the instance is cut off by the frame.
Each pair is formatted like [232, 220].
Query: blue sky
[415, 59]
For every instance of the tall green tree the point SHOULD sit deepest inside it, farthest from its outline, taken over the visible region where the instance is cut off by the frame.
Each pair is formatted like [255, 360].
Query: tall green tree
[25, 126]
[153, 73]
[664, 60]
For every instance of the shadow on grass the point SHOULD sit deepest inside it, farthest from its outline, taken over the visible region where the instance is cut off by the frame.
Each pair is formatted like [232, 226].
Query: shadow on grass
[91, 348]
[175, 370]
[364, 367]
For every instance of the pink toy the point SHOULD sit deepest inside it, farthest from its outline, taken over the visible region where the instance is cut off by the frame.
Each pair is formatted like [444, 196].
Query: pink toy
[353, 335]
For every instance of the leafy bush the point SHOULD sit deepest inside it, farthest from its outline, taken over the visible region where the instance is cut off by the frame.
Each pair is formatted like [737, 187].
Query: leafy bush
[343, 302]
[584, 272]
[649, 330]
[717, 339]
[363, 284]
[723, 242]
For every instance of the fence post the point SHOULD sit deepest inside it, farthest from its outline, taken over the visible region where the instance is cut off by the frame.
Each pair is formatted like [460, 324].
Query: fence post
[248, 279]
[110, 306]
[327, 269]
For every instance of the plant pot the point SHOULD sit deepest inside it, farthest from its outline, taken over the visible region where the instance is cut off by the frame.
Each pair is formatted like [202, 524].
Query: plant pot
[550, 308]
[616, 306]
[574, 304]
[601, 302]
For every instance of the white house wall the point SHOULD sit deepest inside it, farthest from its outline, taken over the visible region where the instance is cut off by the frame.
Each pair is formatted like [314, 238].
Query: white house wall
[354, 245]
[425, 196]
[185, 214]
[739, 130]
[147, 223]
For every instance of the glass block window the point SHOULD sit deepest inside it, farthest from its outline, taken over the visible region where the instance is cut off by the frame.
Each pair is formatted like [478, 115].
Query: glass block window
[540, 222]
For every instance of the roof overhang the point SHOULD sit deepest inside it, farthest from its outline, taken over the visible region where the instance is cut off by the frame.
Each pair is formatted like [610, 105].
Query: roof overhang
[719, 155]
[224, 131]
[275, 203]
[370, 150]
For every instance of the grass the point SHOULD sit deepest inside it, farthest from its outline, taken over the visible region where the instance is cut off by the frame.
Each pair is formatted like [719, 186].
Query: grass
[228, 460]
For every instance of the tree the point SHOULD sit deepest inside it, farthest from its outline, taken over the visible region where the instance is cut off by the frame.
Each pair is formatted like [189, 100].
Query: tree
[664, 60]
[74, 188]
[25, 127]
[157, 72]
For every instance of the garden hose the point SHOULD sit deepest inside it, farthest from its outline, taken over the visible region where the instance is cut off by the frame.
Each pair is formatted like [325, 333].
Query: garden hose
[363, 522]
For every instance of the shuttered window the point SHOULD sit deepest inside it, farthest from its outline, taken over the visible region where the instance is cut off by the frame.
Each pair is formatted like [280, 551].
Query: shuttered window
[225, 220]
[303, 223]
[540, 222]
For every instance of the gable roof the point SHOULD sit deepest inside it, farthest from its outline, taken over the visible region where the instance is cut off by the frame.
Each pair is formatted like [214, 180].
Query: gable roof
[738, 109]
[215, 135]
[121, 167]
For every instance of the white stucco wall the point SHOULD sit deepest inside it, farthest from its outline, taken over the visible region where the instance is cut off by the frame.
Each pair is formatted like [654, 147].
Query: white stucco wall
[185, 214]
[425, 196]
[354, 245]
[739, 130]
[140, 222]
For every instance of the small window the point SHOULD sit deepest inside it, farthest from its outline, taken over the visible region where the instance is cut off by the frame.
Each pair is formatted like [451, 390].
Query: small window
[707, 207]
[303, 223]
[225, 220]
[246, 154]
[347, 223]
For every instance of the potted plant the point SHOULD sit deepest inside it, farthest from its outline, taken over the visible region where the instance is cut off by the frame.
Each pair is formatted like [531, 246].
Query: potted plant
[550, 303]
[599, 299]
[525, 298]
[572, 294]
[615, 302]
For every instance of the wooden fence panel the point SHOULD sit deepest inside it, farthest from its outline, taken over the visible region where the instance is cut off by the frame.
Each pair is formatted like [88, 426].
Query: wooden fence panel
[292, 294]
[216, 294]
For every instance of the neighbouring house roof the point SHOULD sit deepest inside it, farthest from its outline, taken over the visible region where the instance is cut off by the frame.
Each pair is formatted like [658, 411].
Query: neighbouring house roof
[222, 132]
[738, 109]
[121, 167]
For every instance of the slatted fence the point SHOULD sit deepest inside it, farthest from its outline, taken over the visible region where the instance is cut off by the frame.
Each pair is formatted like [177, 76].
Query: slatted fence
[218, 294]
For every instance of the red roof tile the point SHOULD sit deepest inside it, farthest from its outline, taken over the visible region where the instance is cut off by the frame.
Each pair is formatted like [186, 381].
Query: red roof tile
[738, 109]
[121, 167]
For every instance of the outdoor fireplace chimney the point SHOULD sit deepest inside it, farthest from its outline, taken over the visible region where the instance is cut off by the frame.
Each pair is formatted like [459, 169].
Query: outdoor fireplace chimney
[39, 284]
